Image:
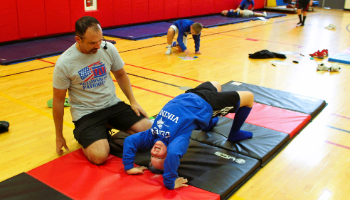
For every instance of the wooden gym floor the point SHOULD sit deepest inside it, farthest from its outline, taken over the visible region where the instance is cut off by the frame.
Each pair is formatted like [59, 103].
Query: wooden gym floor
[315, 165]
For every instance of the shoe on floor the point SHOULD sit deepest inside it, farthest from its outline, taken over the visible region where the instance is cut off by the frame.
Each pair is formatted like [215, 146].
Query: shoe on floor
[264, 14]
[317, 54]
[325, 52]
[4, 126]
[331, 27]
[323, 67]
[334, 68]
[173, 44]
[168, 51]
[328, 27]
[300, 24]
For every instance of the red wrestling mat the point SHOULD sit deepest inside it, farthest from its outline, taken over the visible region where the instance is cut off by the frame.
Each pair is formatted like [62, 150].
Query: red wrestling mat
[74, 176]
[278, 119]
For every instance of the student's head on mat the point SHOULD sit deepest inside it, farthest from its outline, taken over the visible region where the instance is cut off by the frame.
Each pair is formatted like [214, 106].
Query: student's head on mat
[158, 155]
[224, 12]
[88, 35]
[196, 28]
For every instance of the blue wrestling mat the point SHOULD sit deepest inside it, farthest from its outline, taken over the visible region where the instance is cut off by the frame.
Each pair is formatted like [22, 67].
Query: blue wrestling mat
[271, 15]
[340, 58]
[217, 20]
[139, 31]
[27, 50]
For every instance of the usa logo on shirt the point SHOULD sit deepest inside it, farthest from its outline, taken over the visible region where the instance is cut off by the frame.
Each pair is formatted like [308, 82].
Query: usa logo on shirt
[92, 71]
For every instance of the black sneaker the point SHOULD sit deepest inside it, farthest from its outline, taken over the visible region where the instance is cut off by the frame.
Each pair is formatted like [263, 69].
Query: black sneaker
[4, 126]
[300, 24]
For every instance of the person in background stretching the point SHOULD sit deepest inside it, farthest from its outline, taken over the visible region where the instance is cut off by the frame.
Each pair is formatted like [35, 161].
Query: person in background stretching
[183, 28]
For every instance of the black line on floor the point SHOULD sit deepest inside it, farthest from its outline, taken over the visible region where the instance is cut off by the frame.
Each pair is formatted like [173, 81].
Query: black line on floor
[142, 47]
[26, 71]
[153, 80]
[339, 129]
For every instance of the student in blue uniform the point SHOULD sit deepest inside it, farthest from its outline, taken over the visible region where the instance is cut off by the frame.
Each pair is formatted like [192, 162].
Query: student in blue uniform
[242, 13]
[183, 28]
[244, 5]
[169, 136]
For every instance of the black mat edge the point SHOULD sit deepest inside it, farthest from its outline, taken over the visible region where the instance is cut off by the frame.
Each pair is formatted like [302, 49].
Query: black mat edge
[313, 114]
[28, 188]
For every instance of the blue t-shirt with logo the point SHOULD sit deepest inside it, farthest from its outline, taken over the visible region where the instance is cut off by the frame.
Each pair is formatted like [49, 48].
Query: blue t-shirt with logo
[173, 126]
[184, 27]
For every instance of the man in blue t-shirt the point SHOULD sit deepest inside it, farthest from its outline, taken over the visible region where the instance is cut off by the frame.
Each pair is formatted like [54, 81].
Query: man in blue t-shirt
[169, 137]
[245, 5]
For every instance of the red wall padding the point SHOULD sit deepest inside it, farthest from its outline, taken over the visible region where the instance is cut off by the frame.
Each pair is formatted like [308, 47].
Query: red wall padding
[197, 7]
[9, 21]
[184, 9]
[104, 13]
[74, 176]
[202, 7]
[57, 16]
[122, 12]
[31, 18]
[208, 7]
[278, 119]
[224, 5]
[155, 10]
[77, 11]
[259, 4]
[139, 11]
[171, 9]
[22, 19]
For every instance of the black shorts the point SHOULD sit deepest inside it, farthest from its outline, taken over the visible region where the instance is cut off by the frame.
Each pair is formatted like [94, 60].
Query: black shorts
[221, 102]
[303, 5]
[91, 127]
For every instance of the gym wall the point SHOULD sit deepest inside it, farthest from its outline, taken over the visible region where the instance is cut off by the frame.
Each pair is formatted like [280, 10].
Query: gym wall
[40, 18]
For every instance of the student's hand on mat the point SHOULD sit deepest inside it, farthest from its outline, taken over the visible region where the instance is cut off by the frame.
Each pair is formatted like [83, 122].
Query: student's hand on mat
[189, 58]
[138, 109]
[180, 182]
[136, 170]
[61, 143]
[198, 52]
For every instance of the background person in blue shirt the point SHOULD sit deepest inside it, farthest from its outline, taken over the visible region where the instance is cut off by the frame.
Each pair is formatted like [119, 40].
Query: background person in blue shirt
[182, 28]
[245, 5]
[170, 134]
